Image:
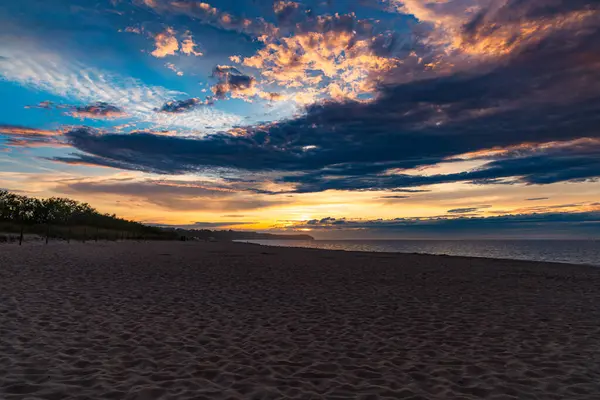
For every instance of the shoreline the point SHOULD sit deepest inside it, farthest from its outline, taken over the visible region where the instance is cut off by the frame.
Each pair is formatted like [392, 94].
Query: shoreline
[92, 242]
[563, 263]
[40, 242]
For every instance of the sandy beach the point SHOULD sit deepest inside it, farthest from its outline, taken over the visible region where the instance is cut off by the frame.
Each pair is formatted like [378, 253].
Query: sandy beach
[175, 320]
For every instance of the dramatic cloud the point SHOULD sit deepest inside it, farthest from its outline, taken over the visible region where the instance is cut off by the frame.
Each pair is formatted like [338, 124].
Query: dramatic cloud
[330, 57]
[531, 119]
[313, 57]
[537, 198]
[515, 98]
[511, 24]
[484, 28]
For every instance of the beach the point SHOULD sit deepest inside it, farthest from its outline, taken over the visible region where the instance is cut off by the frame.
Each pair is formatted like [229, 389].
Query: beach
[190, 320]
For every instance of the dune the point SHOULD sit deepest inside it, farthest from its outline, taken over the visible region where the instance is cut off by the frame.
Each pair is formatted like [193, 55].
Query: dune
[175, 320]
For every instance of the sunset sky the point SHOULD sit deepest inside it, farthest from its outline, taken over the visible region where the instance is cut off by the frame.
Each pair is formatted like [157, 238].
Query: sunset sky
[338, 118]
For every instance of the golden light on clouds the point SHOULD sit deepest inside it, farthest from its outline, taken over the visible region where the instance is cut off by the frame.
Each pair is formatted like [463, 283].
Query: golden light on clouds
[337, 64]
[166, 44]
[503, 39]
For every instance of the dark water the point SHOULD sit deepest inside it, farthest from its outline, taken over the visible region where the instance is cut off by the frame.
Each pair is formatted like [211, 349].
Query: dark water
[564, 251]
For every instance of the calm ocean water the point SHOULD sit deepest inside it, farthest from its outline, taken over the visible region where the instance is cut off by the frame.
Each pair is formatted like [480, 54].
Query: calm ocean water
[564, 251]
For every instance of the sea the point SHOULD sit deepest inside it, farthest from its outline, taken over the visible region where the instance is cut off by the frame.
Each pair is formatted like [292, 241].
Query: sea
[561, 251]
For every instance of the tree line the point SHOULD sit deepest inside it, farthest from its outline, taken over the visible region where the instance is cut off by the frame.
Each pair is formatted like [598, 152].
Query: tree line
[66, 218]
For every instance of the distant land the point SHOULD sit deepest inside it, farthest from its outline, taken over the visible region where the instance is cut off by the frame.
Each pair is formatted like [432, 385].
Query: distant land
[206, 234]
[67, 219]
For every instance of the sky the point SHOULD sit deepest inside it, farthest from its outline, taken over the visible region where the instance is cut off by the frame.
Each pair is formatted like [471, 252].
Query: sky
[342, 119]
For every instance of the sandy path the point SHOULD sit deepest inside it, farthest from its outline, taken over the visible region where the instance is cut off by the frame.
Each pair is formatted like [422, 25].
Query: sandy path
[235, 321]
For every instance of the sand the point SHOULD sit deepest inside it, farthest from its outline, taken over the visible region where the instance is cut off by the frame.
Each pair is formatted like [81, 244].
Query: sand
[236, 321]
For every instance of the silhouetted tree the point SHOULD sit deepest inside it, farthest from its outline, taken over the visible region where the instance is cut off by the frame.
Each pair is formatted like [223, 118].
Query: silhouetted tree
[67, 213]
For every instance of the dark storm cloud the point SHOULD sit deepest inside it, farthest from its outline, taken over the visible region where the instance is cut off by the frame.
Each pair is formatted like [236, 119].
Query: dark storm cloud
[146, 151]
[544, 167]
[548, 91]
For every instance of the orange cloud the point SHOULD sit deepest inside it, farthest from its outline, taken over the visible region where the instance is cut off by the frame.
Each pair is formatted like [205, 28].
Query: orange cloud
[499, 30]
[24, 131]
[188, 45]
[530, 147]
[20, 136]
[493, 39]
[336, 64]
[281, 5]
[166, 44]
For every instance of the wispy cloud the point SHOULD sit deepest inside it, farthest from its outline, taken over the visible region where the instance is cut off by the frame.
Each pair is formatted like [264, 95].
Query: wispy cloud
[52, 73]
[206, 225]
[466, 210]
[210, 15]
[19, 136]
[174, 194]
